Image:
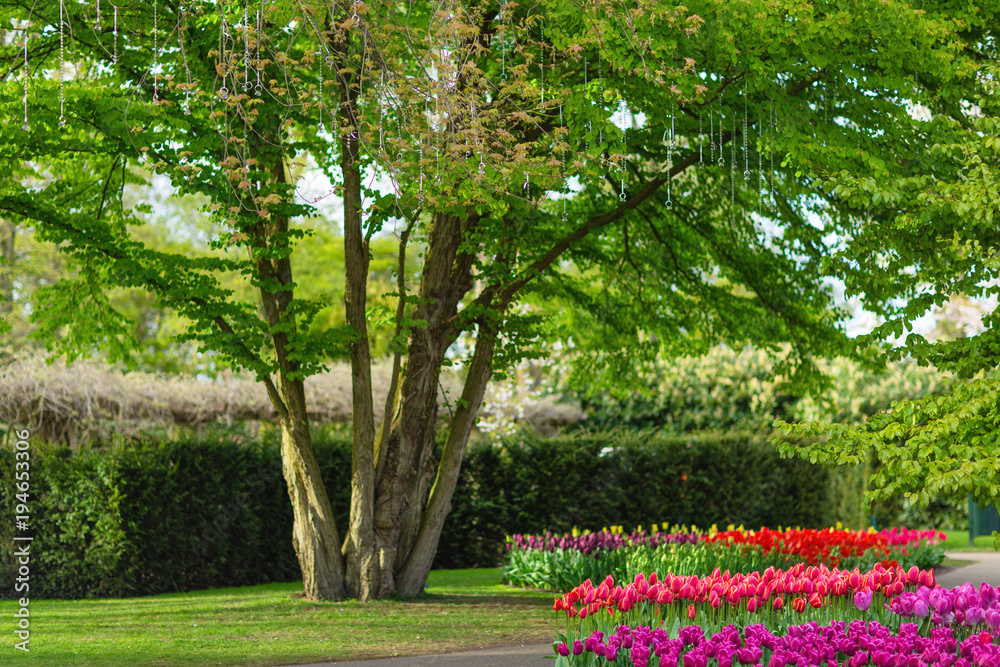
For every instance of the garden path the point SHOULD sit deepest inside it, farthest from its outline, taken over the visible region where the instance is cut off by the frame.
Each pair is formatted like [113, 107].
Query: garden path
[531, 655]
[986, 568]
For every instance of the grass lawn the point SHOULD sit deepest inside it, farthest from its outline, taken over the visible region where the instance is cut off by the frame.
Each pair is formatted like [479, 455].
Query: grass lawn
[958, 540]
[268, 625]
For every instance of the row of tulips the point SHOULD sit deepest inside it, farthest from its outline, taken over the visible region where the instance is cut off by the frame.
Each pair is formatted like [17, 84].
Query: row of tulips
[562, 569]
[964, 605]
[844, 548]
[604, 540]
[778, 598]
[831, 645]
[559, 562]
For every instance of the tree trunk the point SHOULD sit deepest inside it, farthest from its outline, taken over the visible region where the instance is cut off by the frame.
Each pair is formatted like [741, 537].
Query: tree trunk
[317, 544]
[404, 462]
[413, 575]
[314, 531]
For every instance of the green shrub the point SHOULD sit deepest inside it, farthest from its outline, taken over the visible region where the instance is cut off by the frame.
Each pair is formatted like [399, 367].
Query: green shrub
[590, 480]
[139, 519]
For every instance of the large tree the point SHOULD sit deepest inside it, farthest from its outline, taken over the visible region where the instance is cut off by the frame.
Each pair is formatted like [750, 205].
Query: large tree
[654, 171]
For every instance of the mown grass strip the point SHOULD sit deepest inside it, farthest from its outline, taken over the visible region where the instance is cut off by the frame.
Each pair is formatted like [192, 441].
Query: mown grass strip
[271, 625]
[958, 540]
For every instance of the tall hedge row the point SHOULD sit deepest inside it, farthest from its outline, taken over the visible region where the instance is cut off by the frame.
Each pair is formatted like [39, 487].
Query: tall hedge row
[138, 519]
[628, 478]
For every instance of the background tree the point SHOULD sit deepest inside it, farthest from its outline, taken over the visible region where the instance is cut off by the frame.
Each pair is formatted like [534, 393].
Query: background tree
[618, 160]
[930, 243]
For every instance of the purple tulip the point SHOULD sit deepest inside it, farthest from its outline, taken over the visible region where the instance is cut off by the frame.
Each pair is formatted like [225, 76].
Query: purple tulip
[992, 618]
[562, 649]
[973, 615]
[863, 600]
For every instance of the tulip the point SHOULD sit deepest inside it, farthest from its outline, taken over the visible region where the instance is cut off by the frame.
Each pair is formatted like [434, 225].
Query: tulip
[992, 618]
[863, 600]
[690, 613]
[562, 649]
[777, 604]
[799, 605]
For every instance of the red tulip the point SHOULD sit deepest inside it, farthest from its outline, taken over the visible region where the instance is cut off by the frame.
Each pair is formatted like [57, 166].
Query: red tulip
[777, 604]
[691, 612]
[799, 605]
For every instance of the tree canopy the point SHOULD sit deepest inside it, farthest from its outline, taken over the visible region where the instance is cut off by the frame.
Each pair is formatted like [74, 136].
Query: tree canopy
[642, 176]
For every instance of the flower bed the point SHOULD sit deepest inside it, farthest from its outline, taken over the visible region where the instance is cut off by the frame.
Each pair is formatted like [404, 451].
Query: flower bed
[558, 568]
[836, 643]
[805, 616]
[844, 548]
[560, 562]
[778, 598]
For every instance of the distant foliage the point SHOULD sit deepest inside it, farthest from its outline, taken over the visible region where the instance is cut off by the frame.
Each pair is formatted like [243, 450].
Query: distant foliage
[740, 389]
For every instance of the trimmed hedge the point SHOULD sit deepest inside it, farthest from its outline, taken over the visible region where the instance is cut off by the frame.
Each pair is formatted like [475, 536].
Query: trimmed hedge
[627, 478]
[139, 519]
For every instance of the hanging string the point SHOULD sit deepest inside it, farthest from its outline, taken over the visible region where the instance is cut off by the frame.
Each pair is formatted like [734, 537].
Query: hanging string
[503, 58]
[746, 155]
[600, 95]
[420, 163]
[62, 66]
[562, 171]
[114, 58]
[25, 127]
[732, 174]
[258, 89]
[187, 76]
[711, 133]
[586, 93]
[774, 129]
[156, 70]
[98, 22]
[322, 128]
[541, 59]
[246, 47]
[223, 37]
[722, 146]
[670, 160]
[760, 170]
[701, 141]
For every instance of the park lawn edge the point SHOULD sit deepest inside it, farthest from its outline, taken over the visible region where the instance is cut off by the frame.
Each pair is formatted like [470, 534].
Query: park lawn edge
[271, 624]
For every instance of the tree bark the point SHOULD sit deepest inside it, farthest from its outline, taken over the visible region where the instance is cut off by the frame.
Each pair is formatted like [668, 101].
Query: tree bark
[315, 536]
[317, 544]
[404, 466]
[413, 575]
[359, 549]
